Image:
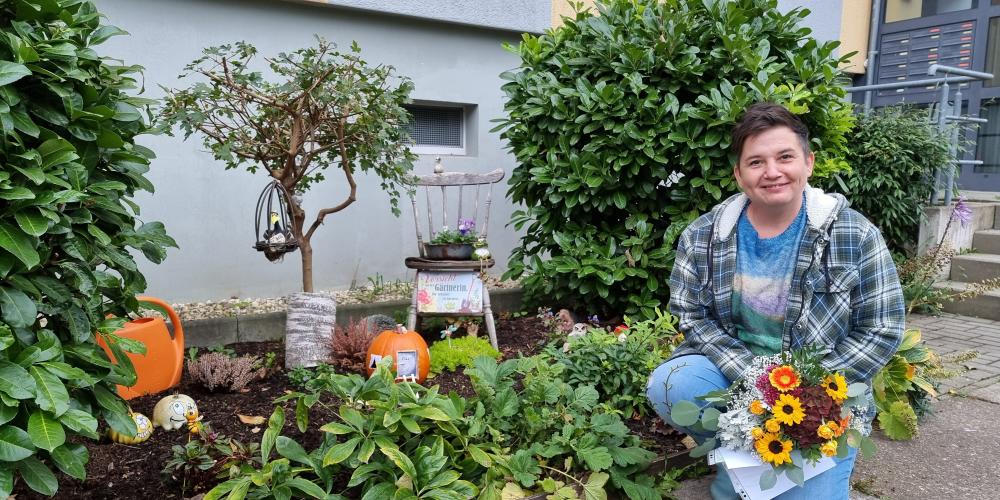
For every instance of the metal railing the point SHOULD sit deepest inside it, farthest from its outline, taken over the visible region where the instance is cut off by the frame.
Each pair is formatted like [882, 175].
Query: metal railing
[947, 113]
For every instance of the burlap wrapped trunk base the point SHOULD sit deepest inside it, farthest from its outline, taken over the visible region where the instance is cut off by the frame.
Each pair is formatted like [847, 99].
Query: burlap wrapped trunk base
[308, 328]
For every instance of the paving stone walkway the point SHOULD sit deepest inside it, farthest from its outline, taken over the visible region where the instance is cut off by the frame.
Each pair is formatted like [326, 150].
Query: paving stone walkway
[956, 454]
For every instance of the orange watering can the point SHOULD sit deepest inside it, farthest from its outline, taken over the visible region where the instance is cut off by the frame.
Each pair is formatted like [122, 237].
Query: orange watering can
[160, 368]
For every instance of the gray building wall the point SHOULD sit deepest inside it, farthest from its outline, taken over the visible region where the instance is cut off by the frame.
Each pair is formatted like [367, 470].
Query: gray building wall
[209, 211]
[824, 18]
[516, 15]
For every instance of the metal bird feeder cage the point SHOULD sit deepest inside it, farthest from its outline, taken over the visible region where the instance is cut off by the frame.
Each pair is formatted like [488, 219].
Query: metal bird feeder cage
[273, 227]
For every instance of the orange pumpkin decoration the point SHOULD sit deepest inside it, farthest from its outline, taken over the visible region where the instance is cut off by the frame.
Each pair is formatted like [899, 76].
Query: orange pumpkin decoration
[409, 353]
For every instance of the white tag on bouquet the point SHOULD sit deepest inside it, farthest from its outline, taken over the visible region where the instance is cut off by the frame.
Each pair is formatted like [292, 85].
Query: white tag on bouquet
[745, 469]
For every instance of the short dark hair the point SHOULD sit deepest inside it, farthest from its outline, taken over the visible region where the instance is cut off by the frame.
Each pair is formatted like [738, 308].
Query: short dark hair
[764, 116]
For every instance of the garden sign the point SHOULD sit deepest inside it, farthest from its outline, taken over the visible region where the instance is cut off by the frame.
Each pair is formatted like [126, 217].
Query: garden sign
[450, 292]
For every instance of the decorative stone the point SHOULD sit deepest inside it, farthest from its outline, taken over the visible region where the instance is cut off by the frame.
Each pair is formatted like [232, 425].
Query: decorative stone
[378, 323]
[308, 328]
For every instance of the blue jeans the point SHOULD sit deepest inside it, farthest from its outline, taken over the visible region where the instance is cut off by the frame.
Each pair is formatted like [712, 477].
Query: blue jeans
[686, 378]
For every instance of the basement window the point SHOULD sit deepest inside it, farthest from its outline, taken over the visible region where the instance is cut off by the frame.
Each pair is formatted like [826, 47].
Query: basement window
[437, 129]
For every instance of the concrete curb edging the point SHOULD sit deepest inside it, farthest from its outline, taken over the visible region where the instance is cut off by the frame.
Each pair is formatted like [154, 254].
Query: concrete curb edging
[271, 326]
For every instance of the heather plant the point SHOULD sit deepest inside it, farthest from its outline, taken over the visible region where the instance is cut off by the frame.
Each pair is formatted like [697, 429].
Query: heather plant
[68, 231]
[349, 346]
[217, 371]
[620, 123]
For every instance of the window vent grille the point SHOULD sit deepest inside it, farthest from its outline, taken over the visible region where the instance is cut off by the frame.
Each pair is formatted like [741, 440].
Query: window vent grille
[435, 126]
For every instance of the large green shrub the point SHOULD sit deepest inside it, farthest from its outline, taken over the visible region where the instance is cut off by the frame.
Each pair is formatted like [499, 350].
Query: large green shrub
[620, 124]
[893, 154]
[66, 223]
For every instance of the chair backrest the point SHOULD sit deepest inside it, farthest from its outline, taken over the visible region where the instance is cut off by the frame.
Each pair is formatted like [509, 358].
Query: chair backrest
[450, 181]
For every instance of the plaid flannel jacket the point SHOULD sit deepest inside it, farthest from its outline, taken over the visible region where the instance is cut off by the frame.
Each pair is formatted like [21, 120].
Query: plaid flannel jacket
[845, 295]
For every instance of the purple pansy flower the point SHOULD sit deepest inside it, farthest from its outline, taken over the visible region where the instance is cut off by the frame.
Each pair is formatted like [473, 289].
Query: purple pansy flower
[465, 226]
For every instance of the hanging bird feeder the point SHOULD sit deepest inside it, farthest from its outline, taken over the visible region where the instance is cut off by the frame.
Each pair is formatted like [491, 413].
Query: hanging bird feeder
[273, 228]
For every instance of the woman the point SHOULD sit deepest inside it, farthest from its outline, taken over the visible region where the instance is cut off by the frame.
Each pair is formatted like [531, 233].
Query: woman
[775, 268]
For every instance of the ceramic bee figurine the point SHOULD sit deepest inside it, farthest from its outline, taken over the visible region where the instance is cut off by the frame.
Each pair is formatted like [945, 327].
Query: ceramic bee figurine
[172, 412]
[143, 429]
[194, 424]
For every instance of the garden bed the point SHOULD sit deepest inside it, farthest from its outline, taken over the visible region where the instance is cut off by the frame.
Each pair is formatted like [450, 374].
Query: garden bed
[134, 471]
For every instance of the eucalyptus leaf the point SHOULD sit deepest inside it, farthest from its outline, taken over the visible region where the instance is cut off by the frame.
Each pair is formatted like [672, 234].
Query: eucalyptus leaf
[685, 413]
[767, 479]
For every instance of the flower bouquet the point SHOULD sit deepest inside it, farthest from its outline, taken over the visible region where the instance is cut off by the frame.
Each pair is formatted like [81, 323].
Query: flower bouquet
[787, 411]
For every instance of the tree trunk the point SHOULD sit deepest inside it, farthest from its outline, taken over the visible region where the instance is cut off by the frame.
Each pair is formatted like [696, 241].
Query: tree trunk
[307, 265]
[305, 246]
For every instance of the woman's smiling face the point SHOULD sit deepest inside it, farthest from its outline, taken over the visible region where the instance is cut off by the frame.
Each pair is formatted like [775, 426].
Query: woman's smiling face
[773, 169]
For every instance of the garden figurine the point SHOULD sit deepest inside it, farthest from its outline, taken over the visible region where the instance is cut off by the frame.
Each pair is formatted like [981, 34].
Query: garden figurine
[447, 332]
[143, 429]
[778, 267]
[172, 412]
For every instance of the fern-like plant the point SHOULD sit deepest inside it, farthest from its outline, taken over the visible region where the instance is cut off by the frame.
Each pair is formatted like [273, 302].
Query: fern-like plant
[459, 352]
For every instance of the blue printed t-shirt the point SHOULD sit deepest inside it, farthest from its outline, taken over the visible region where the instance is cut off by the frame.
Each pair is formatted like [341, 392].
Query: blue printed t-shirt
[764, 268]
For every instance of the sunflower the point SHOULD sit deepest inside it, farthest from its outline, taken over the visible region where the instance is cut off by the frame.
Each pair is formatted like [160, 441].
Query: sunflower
[788, 410]
[836, 387]
[773, 449]
[772, 425]
[757, 432]
[784, 378]
[756, 407]
[829, 448]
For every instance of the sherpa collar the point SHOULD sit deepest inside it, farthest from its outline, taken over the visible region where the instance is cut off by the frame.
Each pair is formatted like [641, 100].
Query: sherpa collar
[821, 209]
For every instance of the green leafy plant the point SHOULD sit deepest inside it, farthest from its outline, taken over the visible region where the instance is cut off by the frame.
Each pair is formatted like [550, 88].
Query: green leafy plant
[67, 226]
[894, 152]
[904, 386]
[618, 363]
[187, 460]
[555, 423]
[616, 155]
[281, 478]
[449, 355]
[331, 109]
[302, 376]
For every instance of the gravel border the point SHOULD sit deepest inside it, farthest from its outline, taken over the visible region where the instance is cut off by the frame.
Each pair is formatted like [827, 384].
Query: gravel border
[237, 306]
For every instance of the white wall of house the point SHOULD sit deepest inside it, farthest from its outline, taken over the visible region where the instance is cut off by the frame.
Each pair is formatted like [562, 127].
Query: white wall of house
[209, 211]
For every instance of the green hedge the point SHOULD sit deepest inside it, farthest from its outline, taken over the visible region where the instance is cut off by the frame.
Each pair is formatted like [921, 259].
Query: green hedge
[67, 223]
[620, 125]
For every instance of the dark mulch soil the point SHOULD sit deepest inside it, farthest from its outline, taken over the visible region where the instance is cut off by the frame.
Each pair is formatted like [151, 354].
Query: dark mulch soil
[117, 471]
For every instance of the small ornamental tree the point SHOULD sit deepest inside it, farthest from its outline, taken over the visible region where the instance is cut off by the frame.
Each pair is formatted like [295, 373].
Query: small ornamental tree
[70, 167]
[620, 123]
[330, 109]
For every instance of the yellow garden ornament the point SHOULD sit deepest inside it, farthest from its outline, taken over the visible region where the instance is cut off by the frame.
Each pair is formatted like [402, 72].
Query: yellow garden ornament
[172, 412]
[143, 429]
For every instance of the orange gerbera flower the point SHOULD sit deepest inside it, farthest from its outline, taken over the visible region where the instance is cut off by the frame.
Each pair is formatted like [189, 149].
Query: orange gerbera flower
[756, 407]
[784, 378]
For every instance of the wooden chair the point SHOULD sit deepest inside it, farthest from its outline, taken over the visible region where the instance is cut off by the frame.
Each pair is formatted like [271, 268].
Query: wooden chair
[468, 272]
